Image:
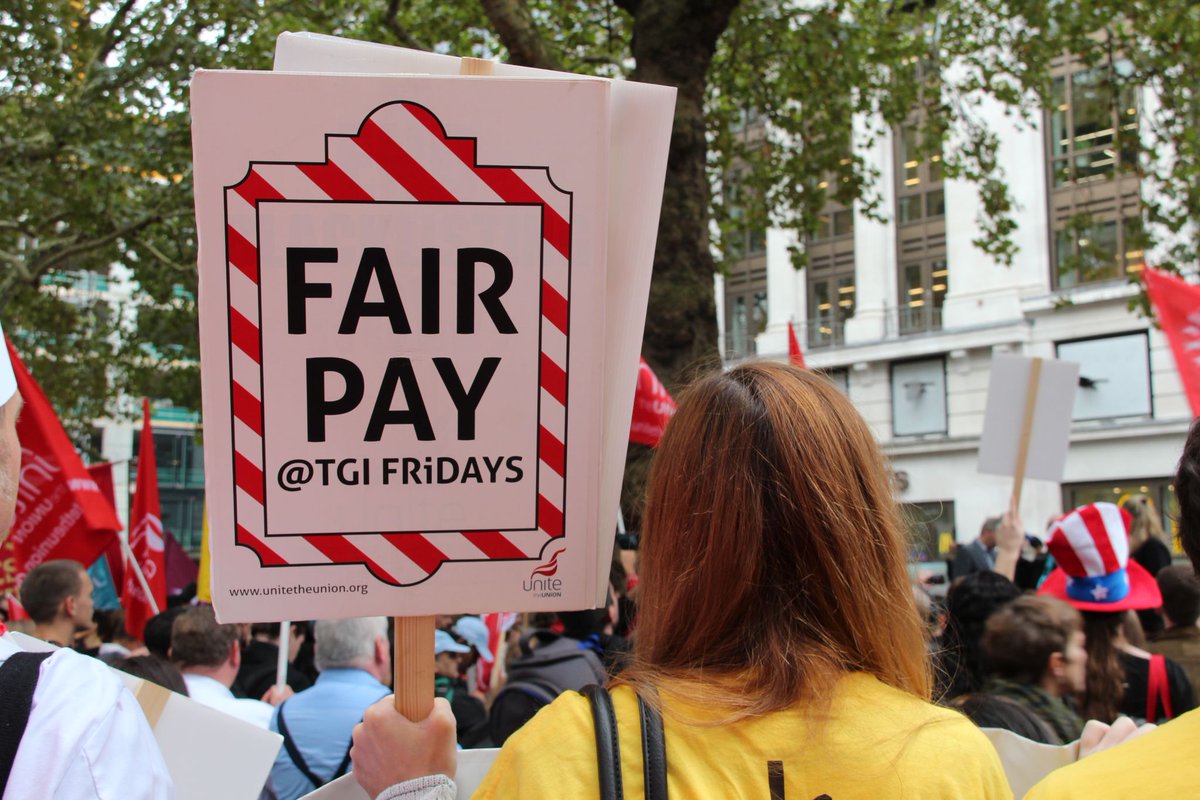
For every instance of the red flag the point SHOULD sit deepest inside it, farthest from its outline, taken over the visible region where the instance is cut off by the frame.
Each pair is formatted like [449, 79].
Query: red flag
[795, 354]
[498, 624]
[1177, 304]
[652, 407]
[61, 512]
[145, 539]
[102, 474]
[182, 569]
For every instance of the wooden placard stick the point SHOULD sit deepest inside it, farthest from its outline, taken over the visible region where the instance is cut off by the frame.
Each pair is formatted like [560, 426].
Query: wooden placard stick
[1031, 393]
[413, 657]
[412, 667]
[285, 647]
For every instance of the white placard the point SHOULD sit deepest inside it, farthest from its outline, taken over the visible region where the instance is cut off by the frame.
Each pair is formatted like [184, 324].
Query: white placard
[405, 293]
[1025, 761]
[1003, 423]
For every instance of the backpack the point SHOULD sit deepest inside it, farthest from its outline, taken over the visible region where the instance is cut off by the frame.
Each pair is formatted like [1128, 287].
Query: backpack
[556, 665]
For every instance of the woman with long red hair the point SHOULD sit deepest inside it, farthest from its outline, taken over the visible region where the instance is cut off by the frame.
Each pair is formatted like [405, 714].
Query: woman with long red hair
[777, 637]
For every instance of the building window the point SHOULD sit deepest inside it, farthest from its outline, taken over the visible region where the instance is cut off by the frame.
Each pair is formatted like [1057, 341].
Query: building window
[919, 397]
[1093, 124]
[830, 276]
[920, 234]
[922, 292]
[1088, 251]
[1114, 376]
[746, 318]
[180, 461]
[1091, 150]
[839, 378]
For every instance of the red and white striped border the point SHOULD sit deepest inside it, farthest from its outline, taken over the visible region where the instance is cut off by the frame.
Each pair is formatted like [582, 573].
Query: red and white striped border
[401, 153]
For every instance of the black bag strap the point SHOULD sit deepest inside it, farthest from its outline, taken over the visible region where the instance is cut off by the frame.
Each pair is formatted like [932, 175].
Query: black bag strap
[608, 749]
[18, 679]
[293, 752]
[654, 751]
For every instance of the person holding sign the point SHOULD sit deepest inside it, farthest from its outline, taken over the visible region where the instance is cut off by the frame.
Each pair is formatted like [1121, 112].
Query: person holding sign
[769, 516]
[64, 714]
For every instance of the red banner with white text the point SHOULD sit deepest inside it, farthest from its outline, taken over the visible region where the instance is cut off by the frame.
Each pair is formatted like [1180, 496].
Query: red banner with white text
[652, 408]
[60, 511]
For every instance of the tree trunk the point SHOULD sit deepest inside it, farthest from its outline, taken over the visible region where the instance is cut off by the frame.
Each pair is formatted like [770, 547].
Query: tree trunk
[673, 44]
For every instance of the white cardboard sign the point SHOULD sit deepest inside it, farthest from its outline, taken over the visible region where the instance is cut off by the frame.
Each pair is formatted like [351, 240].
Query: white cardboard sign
[403, 296]
[1004, 420]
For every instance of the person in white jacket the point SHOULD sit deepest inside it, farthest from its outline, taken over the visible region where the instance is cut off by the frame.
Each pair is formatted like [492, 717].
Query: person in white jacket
[86, 737]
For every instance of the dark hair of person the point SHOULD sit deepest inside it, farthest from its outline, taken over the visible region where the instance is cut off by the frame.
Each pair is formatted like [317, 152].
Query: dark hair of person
[994, 711]
[47, 585]
[771, 483]
[154, 669]
[157, 633]
[1181, 595]
[1187, 494]
[198, 640]
[1105, 672]
[1020, 637]
[969, 603]
[110, 624]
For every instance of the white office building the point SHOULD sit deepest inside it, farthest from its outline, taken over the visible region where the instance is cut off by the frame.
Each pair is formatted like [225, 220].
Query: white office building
[906, 315]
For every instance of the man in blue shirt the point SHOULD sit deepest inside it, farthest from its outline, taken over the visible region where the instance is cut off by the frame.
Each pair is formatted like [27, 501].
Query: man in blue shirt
[354, 660]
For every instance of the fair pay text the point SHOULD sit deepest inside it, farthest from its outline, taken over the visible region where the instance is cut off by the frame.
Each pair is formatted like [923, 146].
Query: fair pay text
[482, 276]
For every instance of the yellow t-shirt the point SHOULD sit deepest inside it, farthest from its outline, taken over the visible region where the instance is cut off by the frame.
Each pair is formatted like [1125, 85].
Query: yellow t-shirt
[878, 743]
[1160, 764]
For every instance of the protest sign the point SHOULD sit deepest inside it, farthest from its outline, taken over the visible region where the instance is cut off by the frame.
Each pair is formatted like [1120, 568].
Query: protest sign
[1025, 761]
[640, 117]
[1027, 425]
[403, 301]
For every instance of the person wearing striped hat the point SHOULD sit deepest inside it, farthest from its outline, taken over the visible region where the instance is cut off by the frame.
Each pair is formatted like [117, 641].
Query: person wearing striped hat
[1096, 576]
[1156, 764]
[72, 728]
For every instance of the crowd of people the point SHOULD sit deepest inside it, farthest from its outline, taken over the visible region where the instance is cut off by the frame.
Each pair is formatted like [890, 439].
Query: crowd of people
[768, 636]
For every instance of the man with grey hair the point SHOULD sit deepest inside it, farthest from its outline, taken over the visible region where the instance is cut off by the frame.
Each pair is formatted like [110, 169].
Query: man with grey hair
[64, 713]
[355, 662]
[979, 555]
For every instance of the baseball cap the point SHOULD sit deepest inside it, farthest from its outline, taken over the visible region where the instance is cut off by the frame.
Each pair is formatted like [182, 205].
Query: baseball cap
[443, 642]
[475, 631]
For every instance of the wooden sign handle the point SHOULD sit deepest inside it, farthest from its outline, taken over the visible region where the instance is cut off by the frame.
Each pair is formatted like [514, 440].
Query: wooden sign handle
[412, 667]
[1031, 393]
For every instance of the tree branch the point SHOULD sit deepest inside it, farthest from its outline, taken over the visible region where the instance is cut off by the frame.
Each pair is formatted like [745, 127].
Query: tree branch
[399, 31]
[55, 258]
[517, 30]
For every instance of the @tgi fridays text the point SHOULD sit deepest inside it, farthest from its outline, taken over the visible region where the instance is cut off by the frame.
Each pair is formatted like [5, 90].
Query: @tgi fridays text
[374, 278]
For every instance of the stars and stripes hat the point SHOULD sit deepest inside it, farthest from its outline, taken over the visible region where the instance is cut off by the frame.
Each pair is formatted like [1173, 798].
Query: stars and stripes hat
[8, 381]
[1094, 573]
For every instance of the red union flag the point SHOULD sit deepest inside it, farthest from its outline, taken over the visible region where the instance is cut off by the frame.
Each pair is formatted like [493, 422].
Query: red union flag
[652, 408]
[60, 511]
[795, 354]
[145, 540]
[1177, 304]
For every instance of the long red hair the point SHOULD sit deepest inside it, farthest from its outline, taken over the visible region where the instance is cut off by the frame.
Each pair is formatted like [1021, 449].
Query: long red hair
[772, 559]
